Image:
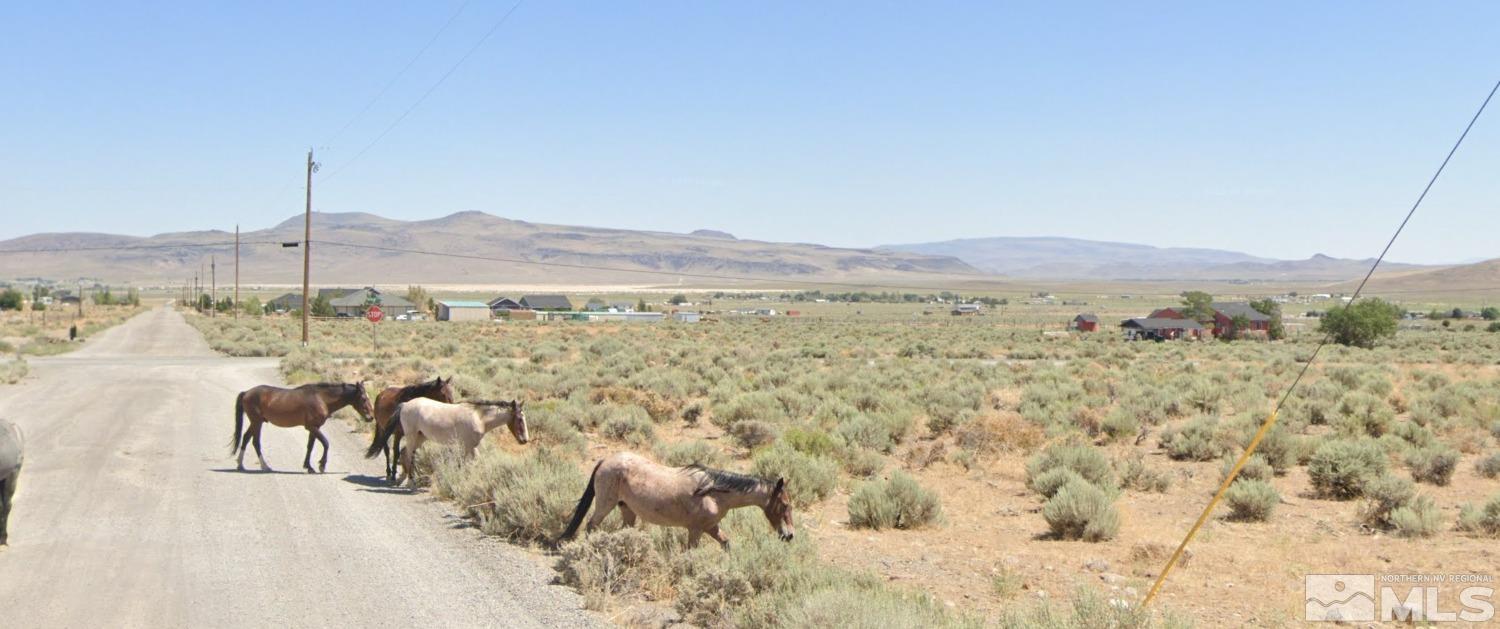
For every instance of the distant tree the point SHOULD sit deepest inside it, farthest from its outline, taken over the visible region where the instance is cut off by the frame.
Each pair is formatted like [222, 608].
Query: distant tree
[1457, 313]
[1237, 325]
[417, 296]
[133, 297]
[321, 307]
[104, 298]
[11, 299]
[642, 306]
[1362, 323]
[205, 302]
[1270, 308]
[1489, 313]
[225, 305]
[252, 306]
[678, 299]
[1198, 305]
[594, 303]
[1436, 314]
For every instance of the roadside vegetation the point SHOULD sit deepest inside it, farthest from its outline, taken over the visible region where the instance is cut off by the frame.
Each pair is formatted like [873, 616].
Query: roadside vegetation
[871, 414]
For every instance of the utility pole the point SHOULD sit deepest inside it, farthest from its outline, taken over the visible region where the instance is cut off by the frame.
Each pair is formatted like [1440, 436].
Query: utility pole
[307, 247]
[213, 286]
[236, 271]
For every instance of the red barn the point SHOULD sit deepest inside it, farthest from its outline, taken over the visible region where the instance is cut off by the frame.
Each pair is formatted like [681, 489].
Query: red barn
[1086, 322]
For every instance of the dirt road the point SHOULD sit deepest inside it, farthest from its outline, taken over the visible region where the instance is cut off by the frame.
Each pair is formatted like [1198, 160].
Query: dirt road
[130, 513]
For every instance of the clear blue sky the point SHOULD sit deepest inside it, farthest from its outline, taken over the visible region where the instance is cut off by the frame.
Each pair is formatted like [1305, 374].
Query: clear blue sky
[1276, 129]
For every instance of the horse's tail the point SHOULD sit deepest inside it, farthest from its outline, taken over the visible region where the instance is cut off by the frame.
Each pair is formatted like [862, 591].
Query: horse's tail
[383, 435]
[582, 509]
[239, 421]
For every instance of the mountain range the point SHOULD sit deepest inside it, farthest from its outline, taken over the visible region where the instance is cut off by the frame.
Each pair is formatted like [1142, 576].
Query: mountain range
[490, 250]
[1071, 258]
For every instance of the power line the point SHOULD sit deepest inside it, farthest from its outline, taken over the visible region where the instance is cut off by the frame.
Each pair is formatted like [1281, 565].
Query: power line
[1265, 427]
[495, 27]
[592, 267]
[402, 72]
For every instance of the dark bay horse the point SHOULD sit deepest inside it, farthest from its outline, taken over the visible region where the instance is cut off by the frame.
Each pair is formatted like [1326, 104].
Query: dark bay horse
[694, 497]
[385, 408]
[307, 406]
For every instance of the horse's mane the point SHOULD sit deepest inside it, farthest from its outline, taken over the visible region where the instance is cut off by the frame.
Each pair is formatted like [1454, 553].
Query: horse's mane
[342, 387]
[414, 391]
[486, 402]
[711, 480]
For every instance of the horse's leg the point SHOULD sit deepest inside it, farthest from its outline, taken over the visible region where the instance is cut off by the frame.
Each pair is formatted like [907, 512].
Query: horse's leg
[626, 515]
[396, 450]
[258, 453]
[7, 493]
[693, 535]
[245, 445]
[604, 502]
[719, 536]
[312, 438]
[323, 462]
[408, 460]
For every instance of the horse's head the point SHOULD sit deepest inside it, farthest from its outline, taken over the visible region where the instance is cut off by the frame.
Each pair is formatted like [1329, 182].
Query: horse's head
[445, 390]
[778, 511]
[517, 422]
[360, 400]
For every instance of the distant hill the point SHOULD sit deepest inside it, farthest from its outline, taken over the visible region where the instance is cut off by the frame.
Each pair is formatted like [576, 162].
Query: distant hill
[1072, 258]
[1477, 280]
[475, 234]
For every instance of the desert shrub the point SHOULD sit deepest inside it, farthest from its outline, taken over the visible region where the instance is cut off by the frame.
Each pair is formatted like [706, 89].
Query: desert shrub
[1384, 495]
[1413, 434]
[1432, 464]
[1418, 518]
[1121, 424]
[1340, 468]
[1079, 510]
[992, 433]
[634, 428]
[863, 463]
[809, 478]
[524, 498]
[1488, 467]
[1087, 610]
[1363, 413]
[692, 452]
[810, 441]
[547, 428]
[1255, 469]
[898, 502]
[1251, 500]
[692, 413]
[752, 433]
[1088, 462]
[1135, 474]
[757, 405]
[12, 371]
[1484, 520]
[1280, 449]
[1198, 440]
[1049, 482]
[603, 565]
[866, 431]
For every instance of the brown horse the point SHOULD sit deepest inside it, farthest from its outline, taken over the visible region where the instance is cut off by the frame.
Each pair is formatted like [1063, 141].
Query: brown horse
[464, 424]
[385, 408]
[307, 406]
[694, 497]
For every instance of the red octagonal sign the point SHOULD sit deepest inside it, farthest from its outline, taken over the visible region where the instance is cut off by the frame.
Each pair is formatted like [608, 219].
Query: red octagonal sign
[374, 314]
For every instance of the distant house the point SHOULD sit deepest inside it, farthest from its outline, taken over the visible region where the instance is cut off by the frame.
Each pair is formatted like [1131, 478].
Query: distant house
[355, 302]
[1226, 312]
[504, 303]
[621, 306]
[1086, 322]
[1161, 329]
[463, 311]
[286, 303]
[687, 316]
[967, 309]
[546, 302]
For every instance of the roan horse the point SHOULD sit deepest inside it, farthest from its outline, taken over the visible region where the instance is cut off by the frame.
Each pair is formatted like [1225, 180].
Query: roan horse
[307, 406]
[385, 408]
[465, 424]
[11, 455]
[694, 497]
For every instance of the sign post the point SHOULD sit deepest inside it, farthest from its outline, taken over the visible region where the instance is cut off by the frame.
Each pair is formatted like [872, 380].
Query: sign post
[374, 314]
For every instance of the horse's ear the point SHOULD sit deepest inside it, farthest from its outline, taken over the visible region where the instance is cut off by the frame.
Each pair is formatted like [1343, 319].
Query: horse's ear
[780, 486]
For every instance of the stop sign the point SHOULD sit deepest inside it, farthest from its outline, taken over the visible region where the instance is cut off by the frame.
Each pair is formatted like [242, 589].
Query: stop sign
[374, 314]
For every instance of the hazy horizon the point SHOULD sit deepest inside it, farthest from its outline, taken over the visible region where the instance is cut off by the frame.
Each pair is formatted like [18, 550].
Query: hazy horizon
[1281, 131]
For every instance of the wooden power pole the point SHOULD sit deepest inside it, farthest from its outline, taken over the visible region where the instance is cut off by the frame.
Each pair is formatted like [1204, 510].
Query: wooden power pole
[236, 271]
[307, 249]
[213, 286]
